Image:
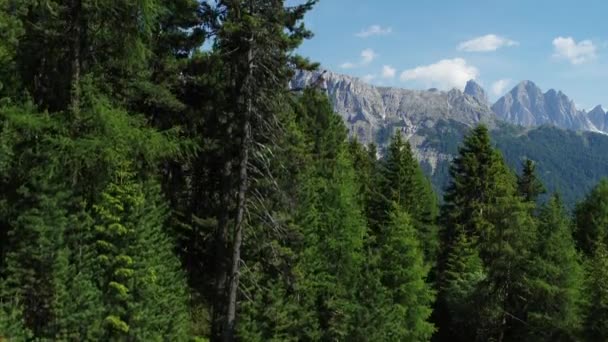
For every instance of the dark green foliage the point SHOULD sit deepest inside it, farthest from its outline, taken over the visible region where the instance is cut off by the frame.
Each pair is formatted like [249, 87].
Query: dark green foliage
[596, 315]
[478, 178]
[555, 312]
[408, 297]
[144, 295]
[400, 180]
[592, 218]
[11, 324]
[331, 223]
[567, 162]
[10, 31]
[99, 40]
[483, 213]
[136, 133]
[528, 184]
[462, 277]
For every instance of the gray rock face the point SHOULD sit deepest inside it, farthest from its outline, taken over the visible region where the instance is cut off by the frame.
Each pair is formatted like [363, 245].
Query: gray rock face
[373, 114]
[526, 105]
[475, 90]
[370, 111]
[435, 121]
[599, 118]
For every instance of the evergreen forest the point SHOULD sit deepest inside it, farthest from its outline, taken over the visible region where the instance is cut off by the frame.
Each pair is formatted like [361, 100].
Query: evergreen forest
[160, 181]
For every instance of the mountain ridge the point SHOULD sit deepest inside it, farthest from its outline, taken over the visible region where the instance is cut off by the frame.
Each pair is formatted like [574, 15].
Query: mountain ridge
[435, 121]
[527, 105]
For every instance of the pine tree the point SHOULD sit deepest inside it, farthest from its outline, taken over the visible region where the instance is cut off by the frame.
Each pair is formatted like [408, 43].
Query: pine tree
[477, 179]
[403, 274]
[481, 203]
[463, 275]
[10, 32]
[555, 311]
[33, 258]
[11, 318]
[401, 180]
[272, 309]
[528, 184]
[57, 277]
[592, 218]
[506, 251]
[596, 315]
[256, 41]
[65, 43]
[365, 160]
[143, 290]
[332, 224]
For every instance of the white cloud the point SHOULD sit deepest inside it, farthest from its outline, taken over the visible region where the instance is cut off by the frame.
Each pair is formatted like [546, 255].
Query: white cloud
[576, 53]
[347, 65]
[487, 43]
[368, 78]
[447, 73]
[367, 56]
[374, 30]
[388, 72]
[499, 87]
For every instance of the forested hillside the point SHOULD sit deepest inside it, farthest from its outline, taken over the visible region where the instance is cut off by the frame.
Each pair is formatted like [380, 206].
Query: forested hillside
[155, 190]
[568, 162]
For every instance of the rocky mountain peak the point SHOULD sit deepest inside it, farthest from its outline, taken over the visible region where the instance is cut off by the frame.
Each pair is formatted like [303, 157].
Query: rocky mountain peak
[527, 105]
[526, 86]
[474, 90]
[599, 118]
[371, 112]
[598, 109]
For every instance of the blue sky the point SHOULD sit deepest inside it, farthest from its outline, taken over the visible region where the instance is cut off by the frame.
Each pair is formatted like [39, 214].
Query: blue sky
[557, 44]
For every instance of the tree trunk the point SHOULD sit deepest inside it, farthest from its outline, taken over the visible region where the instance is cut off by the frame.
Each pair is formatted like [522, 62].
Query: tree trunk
[75, 62]
[229, 329]
[221, 251]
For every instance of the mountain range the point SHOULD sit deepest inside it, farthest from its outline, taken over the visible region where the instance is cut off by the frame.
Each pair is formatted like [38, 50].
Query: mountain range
[435, 121]
[528, 106]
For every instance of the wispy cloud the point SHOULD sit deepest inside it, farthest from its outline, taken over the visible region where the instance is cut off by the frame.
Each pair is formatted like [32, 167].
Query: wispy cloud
[368, 78]
[348, 65]
[447, 73]
[577, 53]
[499, 87]
[367, 56]
[374, 30]
[388, 72]
[487, 43]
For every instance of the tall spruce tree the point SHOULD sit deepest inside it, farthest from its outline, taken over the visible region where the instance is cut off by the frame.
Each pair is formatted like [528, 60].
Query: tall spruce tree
[595, 326]
[331, 223]
[144, 294]
[403, 272]
[555, 312]
[592, 218]
[461, 279]
[256, 40]
[401, 181]
[10, 31]
[528, 184]
[481, 202]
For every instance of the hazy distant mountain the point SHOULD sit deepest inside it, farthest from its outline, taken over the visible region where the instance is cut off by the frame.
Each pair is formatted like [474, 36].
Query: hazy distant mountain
[599, 118]
[528, 106]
